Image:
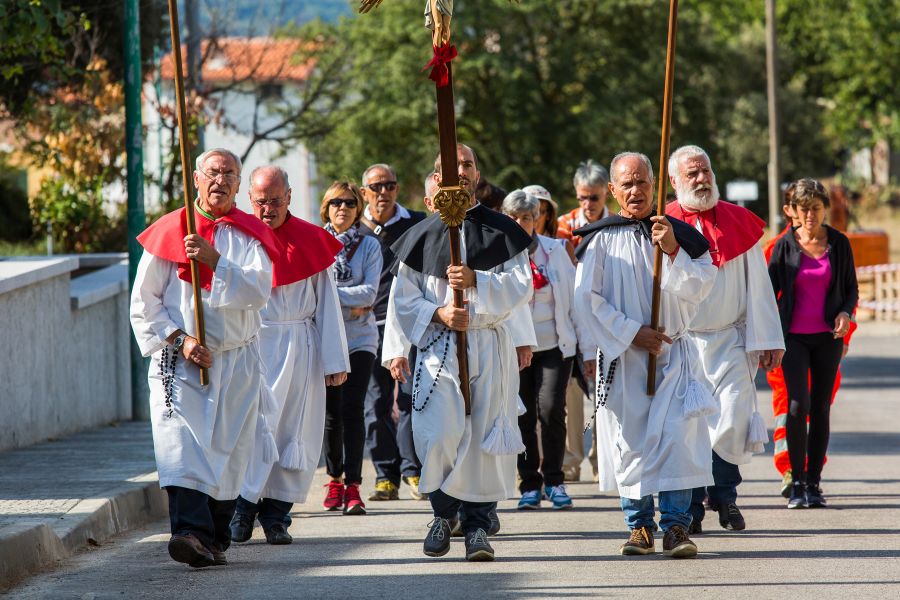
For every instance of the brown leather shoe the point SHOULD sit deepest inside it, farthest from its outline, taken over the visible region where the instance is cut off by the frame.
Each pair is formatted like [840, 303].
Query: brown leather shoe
[188, 549]
[677, 544]
[219, 559]
[640, 542]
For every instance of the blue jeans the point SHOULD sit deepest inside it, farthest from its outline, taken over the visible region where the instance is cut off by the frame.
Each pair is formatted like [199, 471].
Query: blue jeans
[674, 509]
[268, 511]
[726, 477]
[475, 515]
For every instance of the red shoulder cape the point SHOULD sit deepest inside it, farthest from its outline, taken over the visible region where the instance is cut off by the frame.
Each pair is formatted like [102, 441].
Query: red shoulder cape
[730, 229]
[308, 249]
[165, 239]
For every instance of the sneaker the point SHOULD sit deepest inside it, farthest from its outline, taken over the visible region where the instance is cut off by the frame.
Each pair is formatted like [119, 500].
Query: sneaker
[798, 496]
[413, 482]
[677, 544]
[696, 527]
[494, 529]
[786, 481]
[814, 497]
[558, 496]
[639, 543]
[241, 527]
[437, 542]
[277, 535]
[530, 500]
[384, 490]
[477, 547]
[730, 517]
[334, 498]
[353, 504]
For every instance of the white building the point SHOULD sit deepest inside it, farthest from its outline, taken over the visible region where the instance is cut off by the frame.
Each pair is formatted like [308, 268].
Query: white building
[249, 77]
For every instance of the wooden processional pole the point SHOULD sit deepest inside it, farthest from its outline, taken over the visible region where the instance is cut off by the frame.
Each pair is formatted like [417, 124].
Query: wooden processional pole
[663, 181]
[186, 175]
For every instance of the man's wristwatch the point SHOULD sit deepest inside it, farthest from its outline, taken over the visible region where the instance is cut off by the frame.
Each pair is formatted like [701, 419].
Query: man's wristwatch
[179, 342]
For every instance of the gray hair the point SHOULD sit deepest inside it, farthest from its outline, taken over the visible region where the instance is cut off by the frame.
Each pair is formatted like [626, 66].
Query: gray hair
[518, 202]
[689, 151]
[221, 152]
[590, 174]
[281, 172]
[383, 166]
[623, 155]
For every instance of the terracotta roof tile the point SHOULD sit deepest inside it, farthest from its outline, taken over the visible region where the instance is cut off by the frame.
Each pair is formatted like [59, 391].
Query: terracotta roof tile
[261, 59]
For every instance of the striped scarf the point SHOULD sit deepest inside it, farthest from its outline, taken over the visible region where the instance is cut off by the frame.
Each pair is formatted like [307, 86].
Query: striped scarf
[348, 239]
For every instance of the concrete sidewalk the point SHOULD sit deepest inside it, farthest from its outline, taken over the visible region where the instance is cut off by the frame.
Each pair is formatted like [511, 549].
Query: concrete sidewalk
[60, 496]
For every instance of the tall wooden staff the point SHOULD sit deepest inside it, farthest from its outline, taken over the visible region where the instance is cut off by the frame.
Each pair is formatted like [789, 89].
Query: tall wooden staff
[663, 181]
[185, 175]
[452, 200]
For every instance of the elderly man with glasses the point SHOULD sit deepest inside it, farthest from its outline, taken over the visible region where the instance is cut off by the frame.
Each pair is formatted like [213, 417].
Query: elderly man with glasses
[203, 435]
[303, 349]
[390, 444]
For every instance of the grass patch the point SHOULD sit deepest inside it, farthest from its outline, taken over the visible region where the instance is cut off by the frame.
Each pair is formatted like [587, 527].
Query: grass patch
[35, 248]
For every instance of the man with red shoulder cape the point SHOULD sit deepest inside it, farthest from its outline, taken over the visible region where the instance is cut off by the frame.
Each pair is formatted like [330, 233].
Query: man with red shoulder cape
[303, 348]
[203, 435]
[736, 329]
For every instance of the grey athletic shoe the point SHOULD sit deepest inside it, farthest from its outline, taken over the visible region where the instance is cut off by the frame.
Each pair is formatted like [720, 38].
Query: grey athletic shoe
[477, 547]
[437, 542]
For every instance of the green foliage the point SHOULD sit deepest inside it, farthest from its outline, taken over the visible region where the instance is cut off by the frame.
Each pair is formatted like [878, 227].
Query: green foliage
[15, 224]
[848, 50]
[80, 223]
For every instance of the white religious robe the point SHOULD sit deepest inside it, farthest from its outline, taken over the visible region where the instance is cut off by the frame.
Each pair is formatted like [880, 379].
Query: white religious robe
[648, 443]
[737, 321]
[302, 340]
[449, 444]
[206, 442]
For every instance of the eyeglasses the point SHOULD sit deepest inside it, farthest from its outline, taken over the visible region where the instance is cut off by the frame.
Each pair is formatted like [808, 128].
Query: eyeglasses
[591, 198]
[388, 186]
[339, 202]
[229, 178]
[272, 203]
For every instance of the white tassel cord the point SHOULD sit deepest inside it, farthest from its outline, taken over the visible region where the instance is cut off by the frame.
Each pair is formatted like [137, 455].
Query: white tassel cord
[698, 401]
[295, 458]
[270, 448]
[504, 438]
[520, 407]
[757, 436]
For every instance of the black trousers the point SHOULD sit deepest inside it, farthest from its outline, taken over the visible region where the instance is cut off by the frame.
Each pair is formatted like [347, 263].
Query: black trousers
[196, 513]
[542, 387]
[268, 510]
[810, 365]
[475, 515]
[391, 445]
[345, 429]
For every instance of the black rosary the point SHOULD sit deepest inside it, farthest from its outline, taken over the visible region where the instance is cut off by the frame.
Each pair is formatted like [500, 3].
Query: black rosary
[167, 373]
[418, 378]
[604, 384]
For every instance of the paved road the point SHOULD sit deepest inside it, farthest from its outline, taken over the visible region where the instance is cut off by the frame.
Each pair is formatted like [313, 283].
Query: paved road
[851, 550]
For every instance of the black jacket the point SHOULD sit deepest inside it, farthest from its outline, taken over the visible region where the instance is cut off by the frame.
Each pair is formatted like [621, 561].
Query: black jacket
[387, 236]
[843, 291]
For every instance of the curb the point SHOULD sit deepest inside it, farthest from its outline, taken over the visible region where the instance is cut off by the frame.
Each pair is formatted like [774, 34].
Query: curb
[28, 547]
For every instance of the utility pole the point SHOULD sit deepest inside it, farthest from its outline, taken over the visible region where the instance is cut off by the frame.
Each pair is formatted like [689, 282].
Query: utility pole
[140, 393]
[772, 89]
[193, 38]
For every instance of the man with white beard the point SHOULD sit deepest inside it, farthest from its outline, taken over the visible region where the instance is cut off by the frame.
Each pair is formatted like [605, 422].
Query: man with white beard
[736, 329]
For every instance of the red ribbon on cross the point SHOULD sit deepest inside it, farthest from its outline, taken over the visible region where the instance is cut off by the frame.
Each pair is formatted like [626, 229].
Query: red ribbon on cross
[440, 74]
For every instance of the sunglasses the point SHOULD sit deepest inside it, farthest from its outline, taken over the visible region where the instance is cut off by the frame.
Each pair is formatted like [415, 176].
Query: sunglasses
[339, 202]
[389, 186]
[591, 198]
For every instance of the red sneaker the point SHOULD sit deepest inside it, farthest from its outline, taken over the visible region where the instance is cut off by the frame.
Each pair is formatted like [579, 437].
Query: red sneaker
[335, 497]
[353, 504]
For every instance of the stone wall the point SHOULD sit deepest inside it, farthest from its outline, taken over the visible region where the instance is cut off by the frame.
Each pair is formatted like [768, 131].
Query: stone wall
[65, 347]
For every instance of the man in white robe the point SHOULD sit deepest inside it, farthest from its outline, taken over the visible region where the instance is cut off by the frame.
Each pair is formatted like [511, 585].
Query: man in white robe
[657, 444]
[203, 435]
[468, 462]
[736, 329]
[303, 348]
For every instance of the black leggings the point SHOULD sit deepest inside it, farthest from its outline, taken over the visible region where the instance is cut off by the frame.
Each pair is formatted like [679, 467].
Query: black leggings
[810, 365]
[345, 431]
